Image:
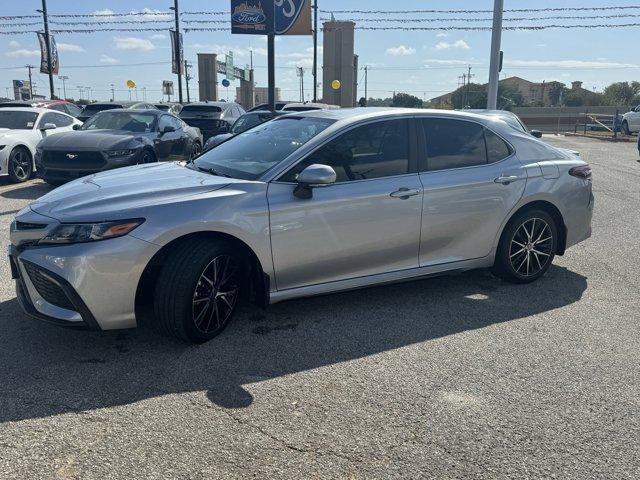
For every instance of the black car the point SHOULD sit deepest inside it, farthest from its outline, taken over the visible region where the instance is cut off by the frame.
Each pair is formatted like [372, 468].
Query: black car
[92, 108]
[265, 106]
[116, 138]
[211, 118]
[244, 123]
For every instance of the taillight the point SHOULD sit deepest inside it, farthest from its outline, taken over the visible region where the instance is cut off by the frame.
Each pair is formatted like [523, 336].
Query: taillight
[583, 172]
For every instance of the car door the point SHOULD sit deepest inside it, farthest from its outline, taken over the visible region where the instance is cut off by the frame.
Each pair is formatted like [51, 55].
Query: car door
[181, 149]
[166, 142]
[367, 223]
[63, 123]
[471, 181]
[634, 119]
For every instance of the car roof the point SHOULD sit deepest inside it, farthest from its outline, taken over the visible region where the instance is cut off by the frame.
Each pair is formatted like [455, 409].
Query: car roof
[215, 104]
[481, 111]
[153, 111]
[29, 109]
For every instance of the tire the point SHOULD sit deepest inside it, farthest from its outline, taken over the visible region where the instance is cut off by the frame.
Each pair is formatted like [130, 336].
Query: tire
[20, 165]
[625, 128]
[188, 303]
[527, 247]
[196, 150]
[147, 157]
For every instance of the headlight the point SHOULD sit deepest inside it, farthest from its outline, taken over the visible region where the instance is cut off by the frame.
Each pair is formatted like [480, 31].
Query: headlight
[120, 153]
[90, 232]
[2, 146]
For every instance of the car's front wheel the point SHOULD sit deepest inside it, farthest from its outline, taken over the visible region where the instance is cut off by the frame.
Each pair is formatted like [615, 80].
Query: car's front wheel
[20, 165]
[625, 128]
[198, 289]
[527, 247]
[196, 150]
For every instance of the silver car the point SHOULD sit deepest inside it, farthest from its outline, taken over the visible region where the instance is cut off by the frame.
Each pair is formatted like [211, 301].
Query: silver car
[305, 204]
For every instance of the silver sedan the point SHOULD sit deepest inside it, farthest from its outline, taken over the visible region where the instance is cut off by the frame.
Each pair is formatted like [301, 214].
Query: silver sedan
[305, 204]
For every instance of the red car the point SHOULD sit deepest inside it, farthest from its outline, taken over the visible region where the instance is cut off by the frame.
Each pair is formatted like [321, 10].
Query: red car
[59, 105]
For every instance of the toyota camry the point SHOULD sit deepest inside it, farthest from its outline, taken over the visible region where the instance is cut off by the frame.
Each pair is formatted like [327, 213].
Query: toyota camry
[302, 205]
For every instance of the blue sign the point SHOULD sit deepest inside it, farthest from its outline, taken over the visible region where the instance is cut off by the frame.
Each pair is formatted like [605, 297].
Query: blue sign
[261, 17]
[226, 83]
[254, 17]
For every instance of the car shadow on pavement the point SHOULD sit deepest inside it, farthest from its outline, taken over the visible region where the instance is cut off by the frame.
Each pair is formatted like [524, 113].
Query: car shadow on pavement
[29, 191]
[47, 370]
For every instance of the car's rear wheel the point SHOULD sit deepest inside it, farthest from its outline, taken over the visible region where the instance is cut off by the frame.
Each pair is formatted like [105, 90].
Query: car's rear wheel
[20, 165]
[527, 247]
[198, 289]
[196, 149]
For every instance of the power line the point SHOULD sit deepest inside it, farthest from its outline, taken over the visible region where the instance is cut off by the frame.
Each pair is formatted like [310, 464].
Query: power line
[513, 19]
[521, 10]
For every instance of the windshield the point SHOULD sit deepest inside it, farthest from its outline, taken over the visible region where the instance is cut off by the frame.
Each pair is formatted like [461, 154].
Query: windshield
[201, 109]
[252, 153]
[91, 109]
[17, 120]
[246, 122]
[129, 121]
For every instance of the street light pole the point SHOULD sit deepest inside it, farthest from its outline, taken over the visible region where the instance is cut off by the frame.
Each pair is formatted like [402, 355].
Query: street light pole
[112, 92]
[315, 50]
[64, 89]
[177, 47]
[48, 40]
[29, 67]
[494, 61]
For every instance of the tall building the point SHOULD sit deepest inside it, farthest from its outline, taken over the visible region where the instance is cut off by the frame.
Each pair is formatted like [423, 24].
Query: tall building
[207, 76]
[260, 95]
[339, 63]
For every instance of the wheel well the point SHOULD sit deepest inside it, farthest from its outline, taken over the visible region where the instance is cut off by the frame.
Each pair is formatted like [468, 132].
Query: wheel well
[258, 281]
[552, 210]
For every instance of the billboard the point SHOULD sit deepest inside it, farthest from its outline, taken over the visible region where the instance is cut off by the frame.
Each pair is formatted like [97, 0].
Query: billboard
[261, 17]
[44, 64]
[21, 90]
[175, 59]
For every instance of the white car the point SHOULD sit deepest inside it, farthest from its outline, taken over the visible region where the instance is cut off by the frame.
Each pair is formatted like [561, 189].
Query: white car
[21, 129]
[631, 121]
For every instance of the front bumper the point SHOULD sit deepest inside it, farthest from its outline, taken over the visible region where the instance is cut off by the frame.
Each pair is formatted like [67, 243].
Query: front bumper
[87, 285]
[65, 173]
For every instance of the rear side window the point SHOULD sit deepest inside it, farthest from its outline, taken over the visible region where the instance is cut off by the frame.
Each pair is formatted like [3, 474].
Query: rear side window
[497, 149]
[453, 143]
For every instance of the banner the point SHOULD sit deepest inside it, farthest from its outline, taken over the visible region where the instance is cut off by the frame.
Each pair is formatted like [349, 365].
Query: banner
[44, 64]
[261, 17]
[175, 68]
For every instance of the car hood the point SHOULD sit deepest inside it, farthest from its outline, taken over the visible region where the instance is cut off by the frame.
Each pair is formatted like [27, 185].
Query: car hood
[89, 140]
[123, 192]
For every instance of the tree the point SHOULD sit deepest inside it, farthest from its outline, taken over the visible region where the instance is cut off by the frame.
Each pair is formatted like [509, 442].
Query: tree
[621, 93]
[406, 100]
[556, 90]
[379, 102]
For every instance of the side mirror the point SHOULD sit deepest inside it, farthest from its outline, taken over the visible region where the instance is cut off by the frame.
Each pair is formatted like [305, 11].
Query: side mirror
[536, 133]
[315, 175]
[76, 126]
[167, 129]
[224, 128]
[48, 126]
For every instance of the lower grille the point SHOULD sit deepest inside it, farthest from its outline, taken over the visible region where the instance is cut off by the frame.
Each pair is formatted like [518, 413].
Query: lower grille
[29, 226]
[49, 290]
[81, 160]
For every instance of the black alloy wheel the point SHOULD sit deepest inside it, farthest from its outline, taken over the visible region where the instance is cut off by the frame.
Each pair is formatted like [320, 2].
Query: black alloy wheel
[20, 165]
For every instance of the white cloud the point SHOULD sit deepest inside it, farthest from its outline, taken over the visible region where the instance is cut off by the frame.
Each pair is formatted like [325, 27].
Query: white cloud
[157, 36]
[14, 44]
[107, 59]
[458, 44]
[133, 43]
[23, 52]
[434, 61]
[70, 47]
[153, 14]
[568, 64]
[442, 35]
[104, 12]
[401, 51]
[541, 45]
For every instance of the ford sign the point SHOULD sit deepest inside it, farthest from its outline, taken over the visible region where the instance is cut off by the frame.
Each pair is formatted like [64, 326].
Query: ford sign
[251, 16]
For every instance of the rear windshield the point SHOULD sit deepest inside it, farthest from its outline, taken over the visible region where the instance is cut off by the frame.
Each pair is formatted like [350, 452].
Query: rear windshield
[201, 108]
[250, 120]
[17, 120]
[100, 108]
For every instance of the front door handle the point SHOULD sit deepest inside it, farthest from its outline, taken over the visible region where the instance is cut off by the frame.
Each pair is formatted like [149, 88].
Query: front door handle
[404, 193]
[506, 179]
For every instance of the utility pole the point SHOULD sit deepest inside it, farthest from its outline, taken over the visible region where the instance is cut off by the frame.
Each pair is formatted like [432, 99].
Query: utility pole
[177, 48]
[315, 51]
[463, 77]
[271, 69]
[29, 67]
[80, 87]
[466, 95]
[48, 40]
[64, 89]
[112, 92]
[494, 60]
[366, 79]
[144, 93]
[187, 77]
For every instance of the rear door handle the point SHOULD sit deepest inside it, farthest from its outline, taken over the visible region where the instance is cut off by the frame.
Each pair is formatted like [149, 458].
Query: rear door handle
[506, 179]
[404, 193]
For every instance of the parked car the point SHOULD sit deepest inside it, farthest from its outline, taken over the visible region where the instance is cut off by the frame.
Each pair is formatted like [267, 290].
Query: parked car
[92, 108]
[631, 121]
[242, 124]
[265, 106]
[305, 204]
[21, 128]
[116, 138]
[59, 105]
[211, 118]
[306, 106]
[172, 108]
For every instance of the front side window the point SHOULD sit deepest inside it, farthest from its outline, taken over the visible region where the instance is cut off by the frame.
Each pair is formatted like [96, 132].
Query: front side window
[16, 120]
[131, 121]
[453, 143]
[62, 120]
[165, 121]
[375, 150]
[73, 109]
[250, 154]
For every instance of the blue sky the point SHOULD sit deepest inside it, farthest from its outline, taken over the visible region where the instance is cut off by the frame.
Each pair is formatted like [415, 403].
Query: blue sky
[426, 64]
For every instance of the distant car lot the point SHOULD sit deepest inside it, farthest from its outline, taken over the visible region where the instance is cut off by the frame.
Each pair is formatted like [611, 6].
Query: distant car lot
[458, 376]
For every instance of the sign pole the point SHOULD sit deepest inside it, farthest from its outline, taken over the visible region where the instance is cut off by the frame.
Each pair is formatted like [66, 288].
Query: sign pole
[177, 49]
[315, 51]
[46, 34]
[271, 66]
[494, 61]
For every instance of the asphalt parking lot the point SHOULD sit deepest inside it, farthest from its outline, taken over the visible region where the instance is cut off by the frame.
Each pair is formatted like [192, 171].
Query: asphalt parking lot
[453, 377]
